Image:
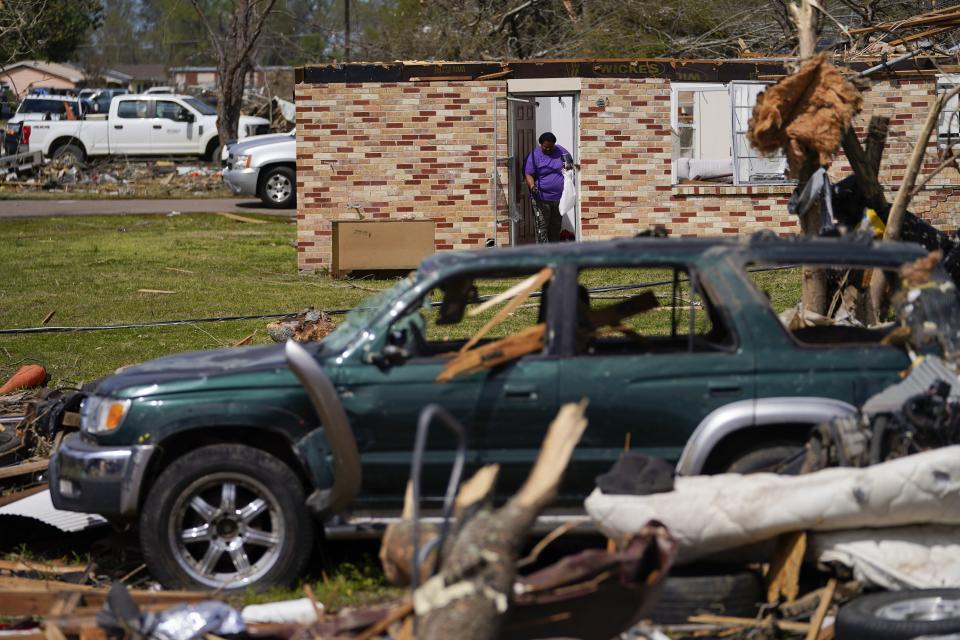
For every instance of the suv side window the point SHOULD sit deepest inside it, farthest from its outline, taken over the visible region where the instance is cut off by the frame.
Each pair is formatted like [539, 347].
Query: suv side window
[170, 110]
[452, 313]
[133, 108]
[632, 310]
[848, 293]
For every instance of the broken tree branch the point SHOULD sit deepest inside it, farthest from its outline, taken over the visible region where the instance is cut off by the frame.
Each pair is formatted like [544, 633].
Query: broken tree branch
[878, 283]
[895, 220]
[467, 599]
[951, 159]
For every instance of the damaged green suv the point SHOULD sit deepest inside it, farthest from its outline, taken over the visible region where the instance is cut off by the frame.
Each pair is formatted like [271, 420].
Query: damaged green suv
[231, 466]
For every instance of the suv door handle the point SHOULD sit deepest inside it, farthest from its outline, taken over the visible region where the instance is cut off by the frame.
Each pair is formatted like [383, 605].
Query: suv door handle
[158, 126]
[118, 126]
[723, 388]
[522, 393]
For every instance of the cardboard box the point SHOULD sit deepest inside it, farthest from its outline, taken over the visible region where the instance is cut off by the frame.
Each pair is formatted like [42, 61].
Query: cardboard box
[381, 244]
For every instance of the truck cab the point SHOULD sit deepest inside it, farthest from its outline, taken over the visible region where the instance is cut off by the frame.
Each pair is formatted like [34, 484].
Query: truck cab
[140, 125]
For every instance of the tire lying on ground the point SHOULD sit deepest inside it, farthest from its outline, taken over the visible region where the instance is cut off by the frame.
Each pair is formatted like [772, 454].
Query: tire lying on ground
[688, 592]
[898, 615]
[226, 516]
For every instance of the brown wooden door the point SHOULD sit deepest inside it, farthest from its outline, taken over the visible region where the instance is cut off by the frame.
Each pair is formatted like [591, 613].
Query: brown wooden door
[524, 140]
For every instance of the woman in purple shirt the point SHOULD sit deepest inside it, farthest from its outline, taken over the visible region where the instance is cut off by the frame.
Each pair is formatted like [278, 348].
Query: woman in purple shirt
[544, 172]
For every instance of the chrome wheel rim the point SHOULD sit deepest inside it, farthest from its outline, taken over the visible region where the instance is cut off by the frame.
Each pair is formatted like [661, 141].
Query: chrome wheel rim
[924, 609]
[226, 530]
[279, 187]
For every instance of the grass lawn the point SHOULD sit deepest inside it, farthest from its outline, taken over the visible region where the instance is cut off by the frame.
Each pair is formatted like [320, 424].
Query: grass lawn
[89, 271]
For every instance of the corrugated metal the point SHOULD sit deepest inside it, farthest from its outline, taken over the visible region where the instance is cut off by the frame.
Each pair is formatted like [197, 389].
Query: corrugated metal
[931, 370]
[40, 507]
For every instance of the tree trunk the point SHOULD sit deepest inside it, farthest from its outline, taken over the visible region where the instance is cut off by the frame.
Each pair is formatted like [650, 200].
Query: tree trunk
[814, 280]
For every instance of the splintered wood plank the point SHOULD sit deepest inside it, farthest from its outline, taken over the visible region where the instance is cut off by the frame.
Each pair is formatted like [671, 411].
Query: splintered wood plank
[531, 285]
[490, 355]
[784, 577]
[234, 216]
[24, 468]
[817, 620]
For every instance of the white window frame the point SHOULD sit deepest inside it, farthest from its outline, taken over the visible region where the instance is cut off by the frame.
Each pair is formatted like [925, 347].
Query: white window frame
[737, 154]
[949, 121]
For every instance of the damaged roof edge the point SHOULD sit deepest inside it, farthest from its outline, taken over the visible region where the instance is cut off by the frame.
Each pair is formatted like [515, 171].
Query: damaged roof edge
[691, 70]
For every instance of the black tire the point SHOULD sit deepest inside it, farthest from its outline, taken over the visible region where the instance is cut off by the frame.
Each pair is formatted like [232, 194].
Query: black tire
[172, 510]
[685, 594]
[872, 617]
[69, 154]
[213, 151]
[785, 459]
[278, 188]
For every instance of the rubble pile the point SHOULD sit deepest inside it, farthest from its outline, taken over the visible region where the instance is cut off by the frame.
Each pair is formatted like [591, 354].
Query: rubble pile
[120, 177]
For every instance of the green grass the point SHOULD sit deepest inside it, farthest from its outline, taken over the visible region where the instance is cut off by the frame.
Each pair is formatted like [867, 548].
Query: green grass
[89, 270]
[350, 584]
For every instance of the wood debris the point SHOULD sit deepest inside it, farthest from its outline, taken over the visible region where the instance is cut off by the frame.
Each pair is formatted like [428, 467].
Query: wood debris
[310, 325]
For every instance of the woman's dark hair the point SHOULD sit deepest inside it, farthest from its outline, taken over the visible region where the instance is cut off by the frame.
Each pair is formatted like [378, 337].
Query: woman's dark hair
[546, 136]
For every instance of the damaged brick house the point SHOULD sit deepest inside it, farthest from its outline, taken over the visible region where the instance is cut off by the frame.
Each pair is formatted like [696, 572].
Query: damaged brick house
[660, 142]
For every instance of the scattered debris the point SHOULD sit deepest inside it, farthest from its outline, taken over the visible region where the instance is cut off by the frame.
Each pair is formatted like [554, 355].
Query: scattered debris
[26, 377]
[308, 326]
[120, 177]
[806, 112]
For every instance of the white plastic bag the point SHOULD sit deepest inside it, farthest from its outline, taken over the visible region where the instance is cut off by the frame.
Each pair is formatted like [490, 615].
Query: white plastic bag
[568, 202]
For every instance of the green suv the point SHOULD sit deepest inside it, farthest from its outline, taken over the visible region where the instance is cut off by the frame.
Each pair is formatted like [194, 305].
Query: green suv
[230, 465]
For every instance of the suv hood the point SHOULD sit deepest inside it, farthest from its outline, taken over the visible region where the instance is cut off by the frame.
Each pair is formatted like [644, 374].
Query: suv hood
[196, 365]
[239, 148]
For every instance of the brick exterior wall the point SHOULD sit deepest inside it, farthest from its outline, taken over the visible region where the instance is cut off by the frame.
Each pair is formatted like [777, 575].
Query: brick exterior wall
[424, 150]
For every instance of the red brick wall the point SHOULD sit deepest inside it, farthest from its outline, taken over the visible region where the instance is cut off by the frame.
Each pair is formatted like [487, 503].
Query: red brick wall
[425, 151]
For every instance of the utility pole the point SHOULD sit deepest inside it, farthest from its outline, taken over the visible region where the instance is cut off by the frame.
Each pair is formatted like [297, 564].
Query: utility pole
[346, 30]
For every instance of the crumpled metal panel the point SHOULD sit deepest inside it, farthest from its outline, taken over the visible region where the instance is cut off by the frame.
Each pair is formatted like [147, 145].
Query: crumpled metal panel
[40, 507]
[928, 372]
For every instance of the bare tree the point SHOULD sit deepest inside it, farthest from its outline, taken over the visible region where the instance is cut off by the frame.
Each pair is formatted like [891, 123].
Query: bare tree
[233, 37]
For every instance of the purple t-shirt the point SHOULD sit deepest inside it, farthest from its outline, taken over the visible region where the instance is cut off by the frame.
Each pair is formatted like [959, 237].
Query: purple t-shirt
[547, 171]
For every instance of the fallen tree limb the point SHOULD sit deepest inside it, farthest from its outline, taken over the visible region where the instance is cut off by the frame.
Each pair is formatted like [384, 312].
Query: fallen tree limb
[467, 598]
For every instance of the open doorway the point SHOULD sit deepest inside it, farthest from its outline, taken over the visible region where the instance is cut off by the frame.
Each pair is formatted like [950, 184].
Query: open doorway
[528, 116]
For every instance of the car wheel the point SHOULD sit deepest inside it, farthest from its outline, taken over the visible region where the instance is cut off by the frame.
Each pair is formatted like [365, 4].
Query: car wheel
[226, 516]
[684, 594]
[278, 188]
[785, 459]
[69, 155]
[899, 615]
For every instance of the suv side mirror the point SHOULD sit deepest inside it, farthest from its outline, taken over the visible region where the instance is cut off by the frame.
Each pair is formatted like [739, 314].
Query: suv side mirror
[394, 352]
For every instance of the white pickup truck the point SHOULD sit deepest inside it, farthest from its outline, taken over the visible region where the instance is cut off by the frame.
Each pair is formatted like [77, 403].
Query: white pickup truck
[138, 125]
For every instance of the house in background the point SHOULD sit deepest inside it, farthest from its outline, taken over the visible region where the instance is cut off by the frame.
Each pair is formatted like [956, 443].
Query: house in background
[136, 78]
[268, 80]
[660, 142]
[28, 75]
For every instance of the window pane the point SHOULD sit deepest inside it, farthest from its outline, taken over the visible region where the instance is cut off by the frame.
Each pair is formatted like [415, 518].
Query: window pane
[168, 110]
[132, 109]
[751, 167]
[781, 284]
[644, 310]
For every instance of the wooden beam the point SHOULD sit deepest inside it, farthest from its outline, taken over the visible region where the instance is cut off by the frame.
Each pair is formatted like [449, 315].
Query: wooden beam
[817, 620]
[23, 468]
[876, 140]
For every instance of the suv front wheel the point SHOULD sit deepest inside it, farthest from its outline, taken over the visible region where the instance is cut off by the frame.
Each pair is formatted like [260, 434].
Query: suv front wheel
[226, 516]
[278, 187]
